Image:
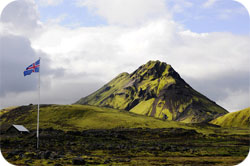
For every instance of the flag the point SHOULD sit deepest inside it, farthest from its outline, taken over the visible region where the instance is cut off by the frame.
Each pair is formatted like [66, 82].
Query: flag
[35, 67]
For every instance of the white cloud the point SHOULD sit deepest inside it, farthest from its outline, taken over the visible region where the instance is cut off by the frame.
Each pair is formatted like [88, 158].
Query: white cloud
[209, 3]
[17, 53]
[225, 14]
[236, 100]
[90, 56]
[180, 5]
[207, 54]
[126, 12]
[94, 47]
[45, 3]
[103, 52]
[4, 3]
[21, 18]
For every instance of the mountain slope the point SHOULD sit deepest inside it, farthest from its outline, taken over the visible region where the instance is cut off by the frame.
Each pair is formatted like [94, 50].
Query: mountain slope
[155, 89]
[79, 117]
[234, 119]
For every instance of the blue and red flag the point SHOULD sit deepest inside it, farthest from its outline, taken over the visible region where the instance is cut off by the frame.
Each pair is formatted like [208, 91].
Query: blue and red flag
[34, 67]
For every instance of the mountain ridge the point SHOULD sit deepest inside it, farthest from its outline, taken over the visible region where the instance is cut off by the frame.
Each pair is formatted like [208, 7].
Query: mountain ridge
[155, 89]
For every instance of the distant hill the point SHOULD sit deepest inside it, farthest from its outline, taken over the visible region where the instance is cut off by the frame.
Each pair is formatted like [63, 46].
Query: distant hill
[79, 117]
[155, 89]
[234, 119]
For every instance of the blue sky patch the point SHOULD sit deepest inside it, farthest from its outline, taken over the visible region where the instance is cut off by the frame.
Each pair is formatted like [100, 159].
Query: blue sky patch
[67, 14]
[221, 16]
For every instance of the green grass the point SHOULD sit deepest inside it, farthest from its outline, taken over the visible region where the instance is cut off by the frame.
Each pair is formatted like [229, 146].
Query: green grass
[106, 91]
[80, 117]
[83, 117]
[234, 119]
[6, 110]
[143, 107]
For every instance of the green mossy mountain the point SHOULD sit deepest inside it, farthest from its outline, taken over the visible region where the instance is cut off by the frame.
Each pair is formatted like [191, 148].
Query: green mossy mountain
[155, 89]
[239, 119]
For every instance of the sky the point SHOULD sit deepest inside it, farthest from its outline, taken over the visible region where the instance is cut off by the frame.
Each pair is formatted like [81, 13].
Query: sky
[83, 44]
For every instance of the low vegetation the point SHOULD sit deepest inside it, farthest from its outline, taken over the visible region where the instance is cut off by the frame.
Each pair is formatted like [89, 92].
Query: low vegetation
[240, 119]
[137, 146]
[81, 117]
[90, 135]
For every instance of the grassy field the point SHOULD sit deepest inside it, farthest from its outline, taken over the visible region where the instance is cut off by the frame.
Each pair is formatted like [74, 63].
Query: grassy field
[81, 117]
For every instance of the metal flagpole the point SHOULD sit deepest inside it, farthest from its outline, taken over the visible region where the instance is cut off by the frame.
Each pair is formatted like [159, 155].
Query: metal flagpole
[38, 107]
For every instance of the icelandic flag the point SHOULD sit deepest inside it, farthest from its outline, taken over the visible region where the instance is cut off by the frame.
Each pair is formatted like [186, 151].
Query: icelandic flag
[34, 67]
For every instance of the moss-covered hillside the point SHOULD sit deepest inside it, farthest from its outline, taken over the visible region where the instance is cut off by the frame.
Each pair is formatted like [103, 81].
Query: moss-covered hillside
[239, 119]
[79, 117]
[155, 89]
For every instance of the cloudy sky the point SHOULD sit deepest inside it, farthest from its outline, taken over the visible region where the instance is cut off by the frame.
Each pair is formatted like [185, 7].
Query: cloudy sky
[85, 43]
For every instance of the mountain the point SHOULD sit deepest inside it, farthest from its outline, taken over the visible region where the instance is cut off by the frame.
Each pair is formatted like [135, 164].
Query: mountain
[234, 119]
[155, 89]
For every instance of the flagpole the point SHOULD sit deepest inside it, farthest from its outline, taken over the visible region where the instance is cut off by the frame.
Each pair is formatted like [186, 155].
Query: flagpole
[38, 108]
